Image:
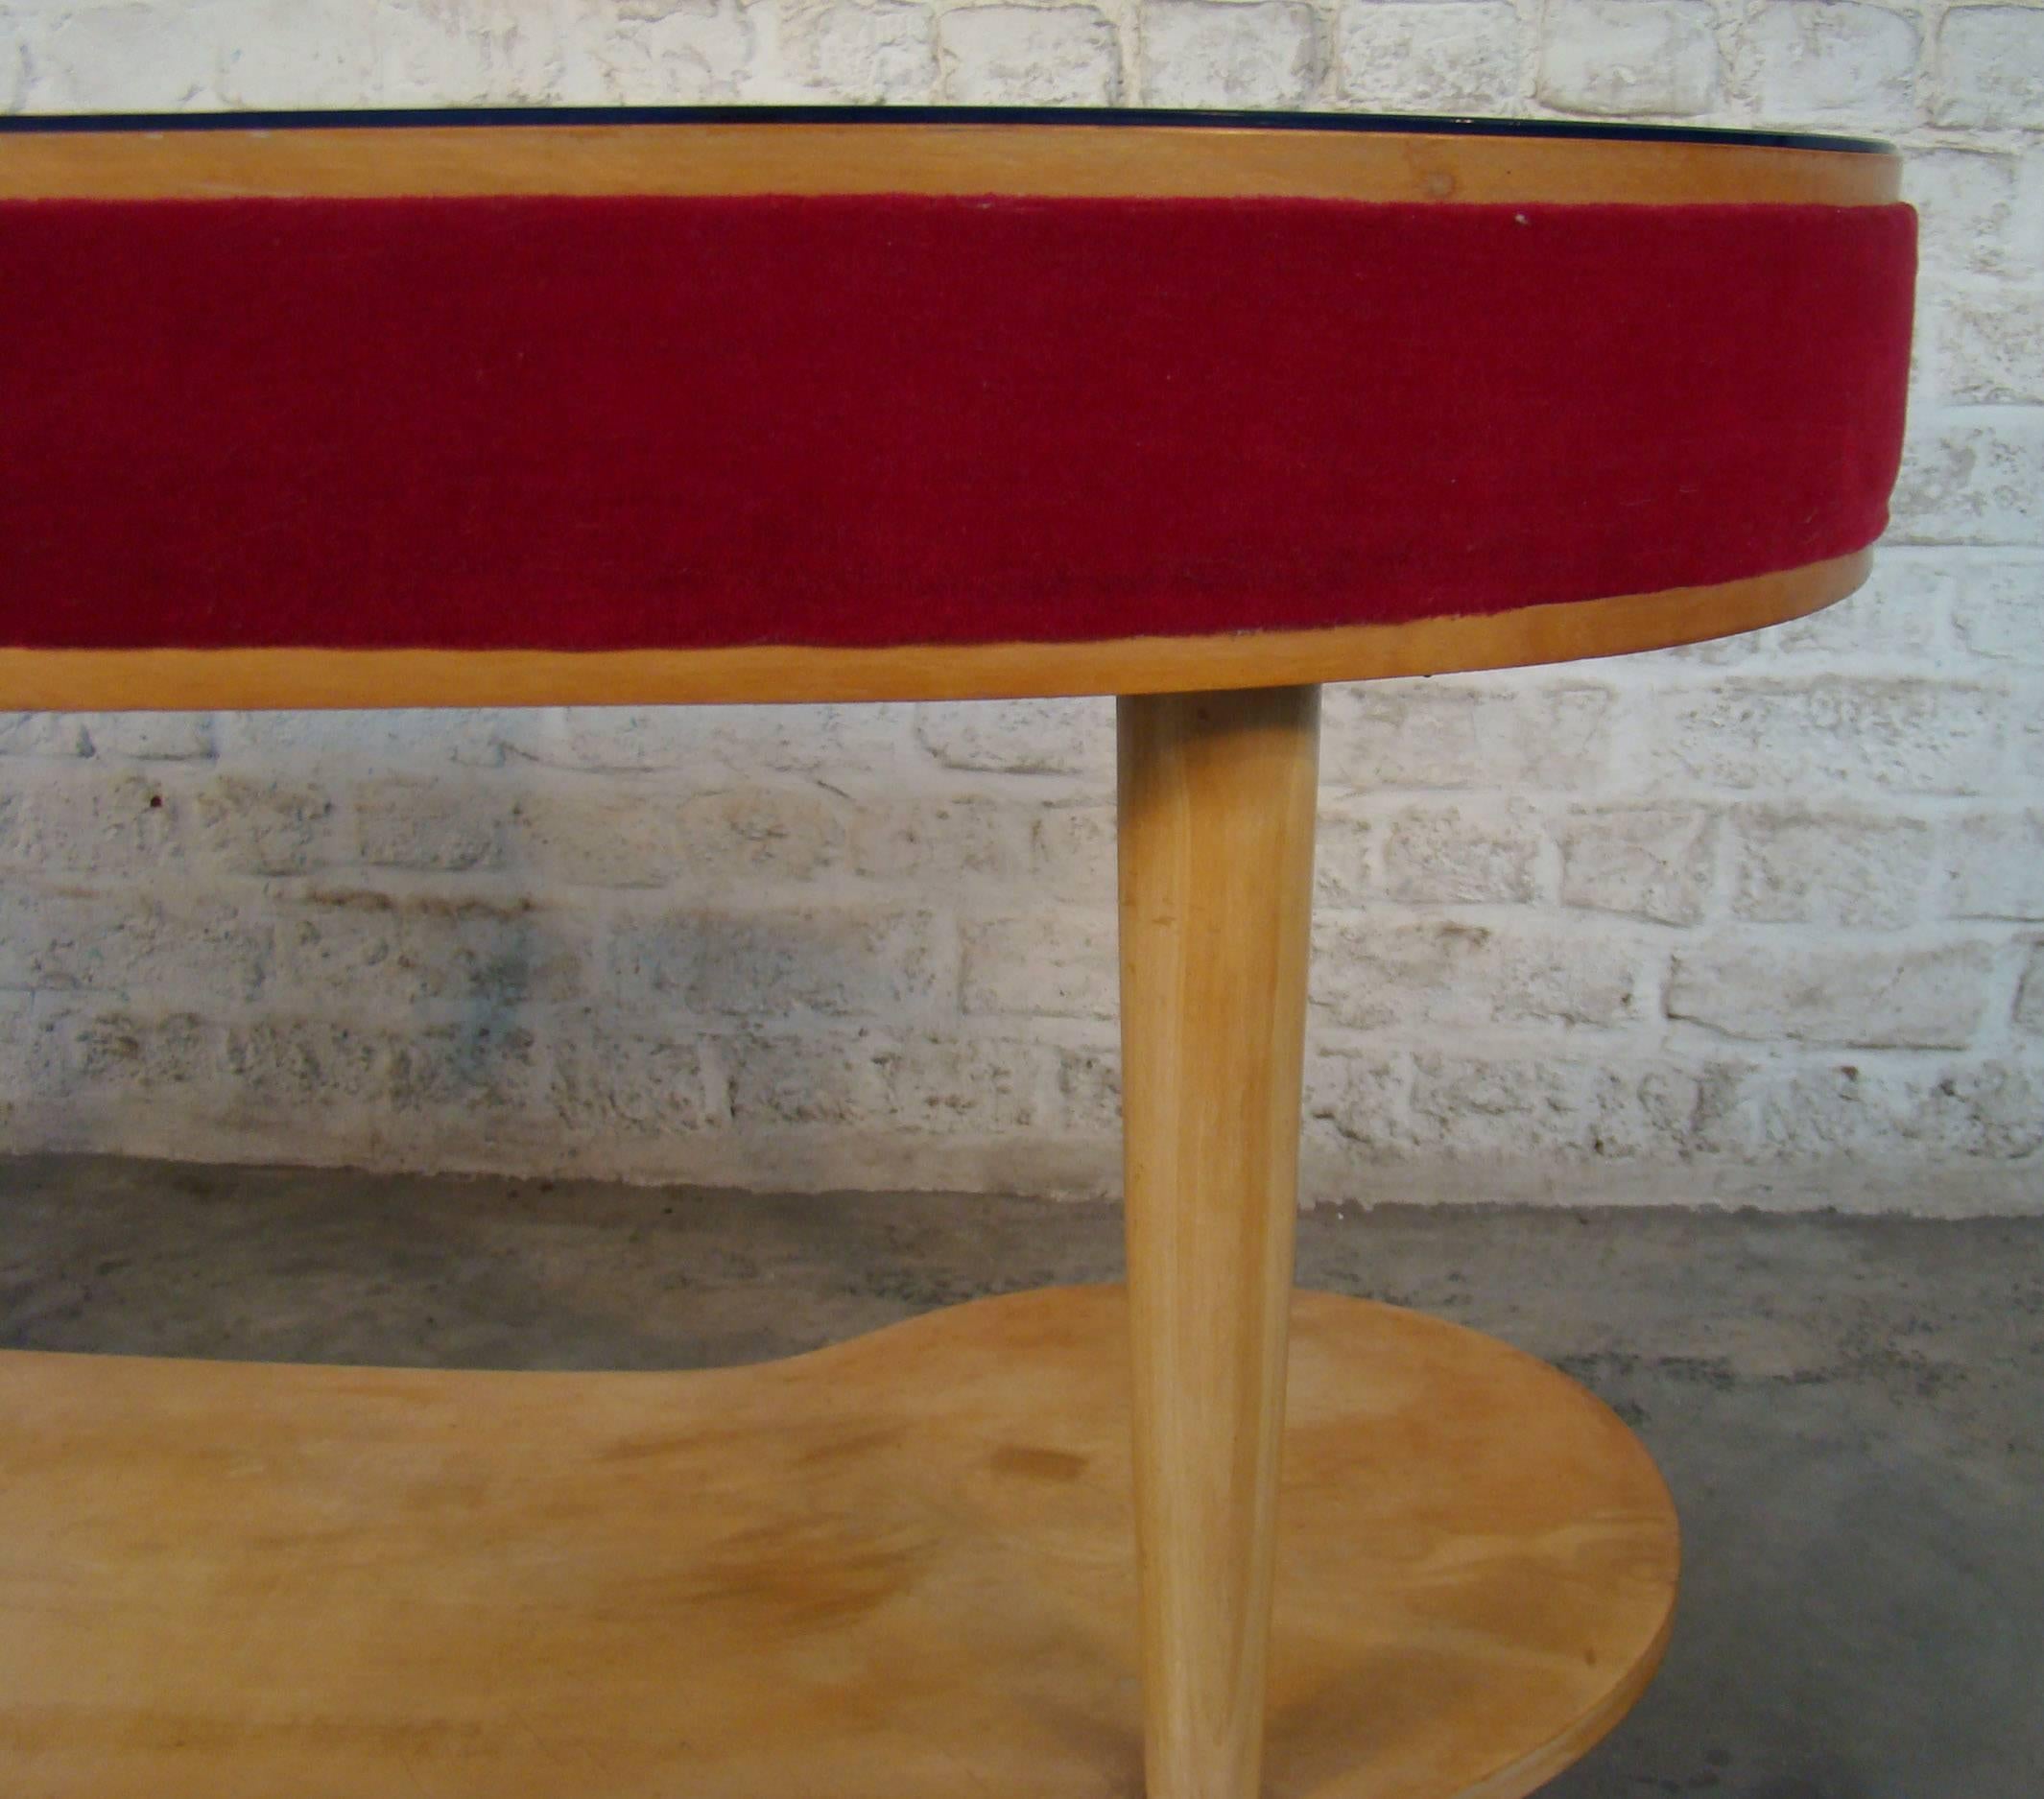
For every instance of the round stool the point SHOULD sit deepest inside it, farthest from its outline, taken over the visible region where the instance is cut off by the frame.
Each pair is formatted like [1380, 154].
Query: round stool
[720, 405]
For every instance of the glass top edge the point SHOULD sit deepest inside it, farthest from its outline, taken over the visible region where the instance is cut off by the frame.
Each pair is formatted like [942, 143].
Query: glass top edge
[1449, 124]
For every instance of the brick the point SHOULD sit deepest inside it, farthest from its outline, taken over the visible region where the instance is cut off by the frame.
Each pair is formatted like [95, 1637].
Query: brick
[465, 1068]
[1991, 1110]
[691, 52]
[296, 53]
[1446, 734]
[1905, 735]
[1833, 61]
[880, 1081]
[713, 744]
[1641, 862]
[2030, 994]
[1994, 867]
[1628, 57]
[1719, 652]
[597, 834]
[56, 734]
[1994, 344]
[1857, 870]
[386, 741]
[1887, 997]
[1073, 854]
[852, 51]
[408, 821]
[1793, 1112]
[1971, 480]
[815, 1078]
[837, 744]
[1089, 1091]
[151, 736]
[1358, 1103]
[13, 64]
[1370, 976]
[1022, 737]
[751, 834]
[1842, 1111]
[33, 1066]
[1544, 1106]
[1053, 964]
[2025, 228]
[282, 1063]
[1998, 609]
[920, 840]
[1044, 56]
[263, 828]
[497, 50]
[128, 57]
[143, 1054]
[1896, 613]
[1965, 203]
[1461, 854]
[618, 739]
[416, 947]
[89, 821]
[604, 1081]
[1435, 55]
[1990, 66]
[841, 962]
[132, 944]
[1344, 865]
[974, 1087]
[1236, 53]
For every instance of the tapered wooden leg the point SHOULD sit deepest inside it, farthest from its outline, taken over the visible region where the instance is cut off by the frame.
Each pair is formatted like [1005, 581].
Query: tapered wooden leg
[1216, 810]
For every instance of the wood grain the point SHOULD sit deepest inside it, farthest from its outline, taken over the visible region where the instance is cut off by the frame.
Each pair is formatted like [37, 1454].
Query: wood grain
[1164, 160]
[897, 1569]
[1216, 795]
[1217, 817]
[169, 680]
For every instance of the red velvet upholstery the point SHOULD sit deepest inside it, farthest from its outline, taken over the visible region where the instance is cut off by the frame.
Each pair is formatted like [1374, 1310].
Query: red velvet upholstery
[580, 423]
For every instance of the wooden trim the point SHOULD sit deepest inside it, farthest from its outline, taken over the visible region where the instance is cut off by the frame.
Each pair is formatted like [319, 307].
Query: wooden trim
[1164, 161]
[171, 680]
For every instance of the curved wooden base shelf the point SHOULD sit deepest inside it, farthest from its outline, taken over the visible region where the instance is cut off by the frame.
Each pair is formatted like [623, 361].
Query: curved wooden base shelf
[898, 1568]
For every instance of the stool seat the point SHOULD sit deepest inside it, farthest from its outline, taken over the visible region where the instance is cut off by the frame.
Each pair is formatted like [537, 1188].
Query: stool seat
[808, 405]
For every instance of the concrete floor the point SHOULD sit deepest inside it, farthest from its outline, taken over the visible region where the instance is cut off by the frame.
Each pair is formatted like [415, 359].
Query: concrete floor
[1850, 1411]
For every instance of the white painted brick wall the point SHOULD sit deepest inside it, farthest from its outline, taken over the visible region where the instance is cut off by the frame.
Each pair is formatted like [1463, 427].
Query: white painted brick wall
[1758, 921]
[1041, 56]
[1626, 57]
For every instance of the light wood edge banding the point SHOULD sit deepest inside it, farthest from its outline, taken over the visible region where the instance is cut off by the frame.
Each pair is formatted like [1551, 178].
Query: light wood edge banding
[1518, 1780]
[1046, 160]
[175, 680]
[1525, 1776]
